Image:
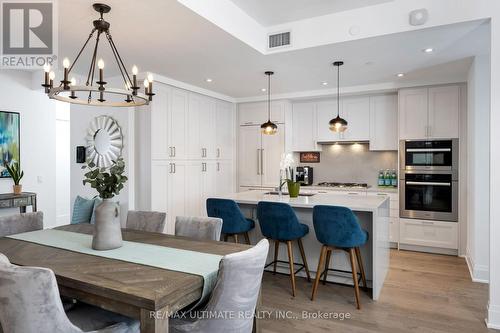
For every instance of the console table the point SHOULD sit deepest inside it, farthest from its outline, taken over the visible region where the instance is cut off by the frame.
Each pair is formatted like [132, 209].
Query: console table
[11, 200]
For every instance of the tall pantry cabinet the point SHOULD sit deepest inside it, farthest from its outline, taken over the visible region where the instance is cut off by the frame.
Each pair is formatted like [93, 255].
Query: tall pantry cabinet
[192, 151]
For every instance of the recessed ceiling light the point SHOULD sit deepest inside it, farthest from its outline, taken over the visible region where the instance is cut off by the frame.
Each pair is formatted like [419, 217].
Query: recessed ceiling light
[263, 90]
[208, 80]
[428, 50]
[400, 74]
[324, 83]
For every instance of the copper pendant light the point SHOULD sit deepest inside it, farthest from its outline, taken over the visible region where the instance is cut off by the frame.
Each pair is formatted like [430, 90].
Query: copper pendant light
[269, 128]
[338, 124]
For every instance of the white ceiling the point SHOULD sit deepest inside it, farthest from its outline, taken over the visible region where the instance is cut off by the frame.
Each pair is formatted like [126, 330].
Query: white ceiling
[273, 12]
[164, 37]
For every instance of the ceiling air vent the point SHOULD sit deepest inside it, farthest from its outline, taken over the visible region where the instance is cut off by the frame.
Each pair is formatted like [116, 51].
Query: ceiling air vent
[279, 40]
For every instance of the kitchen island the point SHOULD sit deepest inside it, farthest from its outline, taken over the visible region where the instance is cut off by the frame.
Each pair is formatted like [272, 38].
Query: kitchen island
[373, 215]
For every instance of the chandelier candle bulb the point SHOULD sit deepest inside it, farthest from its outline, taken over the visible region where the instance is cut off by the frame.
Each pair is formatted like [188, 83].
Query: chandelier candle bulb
[52, 76]
[146, 85]
[66, 72]
[46, 69]
[100, 65]
[134, 80]
[73, 83]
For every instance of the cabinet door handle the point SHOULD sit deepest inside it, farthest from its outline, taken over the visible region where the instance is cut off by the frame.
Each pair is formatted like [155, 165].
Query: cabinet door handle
[262, 161]
[258, 161]
[169, 151]
[218, 152]
[170, 165]
[218, 166]
[174, 168]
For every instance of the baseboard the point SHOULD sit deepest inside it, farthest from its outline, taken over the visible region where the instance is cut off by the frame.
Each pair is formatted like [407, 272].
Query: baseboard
[493, 320]
[428, 249]
[478, 273]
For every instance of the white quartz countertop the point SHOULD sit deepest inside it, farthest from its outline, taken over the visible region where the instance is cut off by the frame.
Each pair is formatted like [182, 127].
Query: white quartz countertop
[356, 203]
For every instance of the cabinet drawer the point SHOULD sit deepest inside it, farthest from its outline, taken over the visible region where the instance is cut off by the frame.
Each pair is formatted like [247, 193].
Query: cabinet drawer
[19, 202]
[429, 233]
[391, 195]
[6, 203]
[394, 229]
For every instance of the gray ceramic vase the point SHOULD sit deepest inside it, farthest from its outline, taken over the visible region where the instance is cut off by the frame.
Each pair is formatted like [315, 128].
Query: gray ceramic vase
[107, 230]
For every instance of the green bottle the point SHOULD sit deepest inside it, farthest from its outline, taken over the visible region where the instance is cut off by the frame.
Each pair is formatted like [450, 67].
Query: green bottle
[387, 178]
[394, 178]
[381, 181]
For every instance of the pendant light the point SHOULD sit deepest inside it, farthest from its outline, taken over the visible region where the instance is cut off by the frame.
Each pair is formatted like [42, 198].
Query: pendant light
[269, 128]
[338, 124]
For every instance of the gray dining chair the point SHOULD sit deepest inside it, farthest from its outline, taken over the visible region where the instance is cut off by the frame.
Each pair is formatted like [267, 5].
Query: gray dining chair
[19, 223]
[236, 292]
[200, 228]
[146, 221]
[30, 303]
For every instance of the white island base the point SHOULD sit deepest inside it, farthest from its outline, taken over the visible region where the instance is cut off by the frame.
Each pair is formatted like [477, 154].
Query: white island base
[373, 215]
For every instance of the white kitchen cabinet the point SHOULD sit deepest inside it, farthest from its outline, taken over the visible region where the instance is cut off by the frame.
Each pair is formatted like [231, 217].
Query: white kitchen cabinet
[259, 156]
[326, 111]
[304, 127]
[444, 111]
[257, 114]
[168, 190]
[193, 148]
[356, 111]
[413, 113]
[207, 129]
[224, 130]
[429, 233]
[168, 123]
[272, 148]
[431, 113]
[224, 183]
[394, 229]
[383, 122]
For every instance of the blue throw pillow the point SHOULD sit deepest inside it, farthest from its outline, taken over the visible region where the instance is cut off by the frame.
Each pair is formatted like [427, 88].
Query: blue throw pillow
[97, 202]
[82, 210]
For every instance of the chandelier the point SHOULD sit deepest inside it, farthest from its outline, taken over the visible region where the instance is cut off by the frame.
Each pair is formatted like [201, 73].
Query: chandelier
[94, 91]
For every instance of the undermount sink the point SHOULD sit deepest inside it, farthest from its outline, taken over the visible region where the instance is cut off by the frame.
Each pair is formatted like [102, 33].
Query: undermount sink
[306, 194]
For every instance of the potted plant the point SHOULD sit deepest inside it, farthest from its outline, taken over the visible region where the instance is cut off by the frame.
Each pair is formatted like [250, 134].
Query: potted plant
[286, 165]
[17, 174]
[108, 182]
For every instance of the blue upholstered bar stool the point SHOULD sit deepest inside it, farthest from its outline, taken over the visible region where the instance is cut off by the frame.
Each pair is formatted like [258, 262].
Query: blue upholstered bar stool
[279, 222]
[338, 228]
[233, 221]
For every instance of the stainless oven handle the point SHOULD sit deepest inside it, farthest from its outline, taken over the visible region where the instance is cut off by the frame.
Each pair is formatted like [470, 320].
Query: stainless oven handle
[429, 150]
[428, 183]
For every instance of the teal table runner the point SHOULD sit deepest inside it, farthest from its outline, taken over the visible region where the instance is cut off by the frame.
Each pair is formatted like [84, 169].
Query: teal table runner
[191, 262]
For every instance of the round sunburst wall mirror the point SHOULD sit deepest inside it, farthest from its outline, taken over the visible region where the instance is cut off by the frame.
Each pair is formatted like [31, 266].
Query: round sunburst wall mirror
[104, 141]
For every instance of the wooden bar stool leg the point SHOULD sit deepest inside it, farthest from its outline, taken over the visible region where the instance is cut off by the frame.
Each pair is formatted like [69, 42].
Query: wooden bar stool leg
[361, 267]
[247, 238]
[292, 270]
[304, 260]
[327, 265]
[318, 272]
[276, 251]
[355, 277]
[236, 238]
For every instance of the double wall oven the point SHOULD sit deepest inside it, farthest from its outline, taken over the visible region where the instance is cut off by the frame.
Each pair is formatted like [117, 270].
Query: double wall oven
[429, 179]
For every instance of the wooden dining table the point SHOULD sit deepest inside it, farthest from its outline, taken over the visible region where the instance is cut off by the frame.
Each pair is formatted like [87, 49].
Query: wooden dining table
[146, 293]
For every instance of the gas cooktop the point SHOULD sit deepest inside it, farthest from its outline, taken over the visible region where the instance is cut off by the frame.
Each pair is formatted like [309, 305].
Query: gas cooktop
[343, 185]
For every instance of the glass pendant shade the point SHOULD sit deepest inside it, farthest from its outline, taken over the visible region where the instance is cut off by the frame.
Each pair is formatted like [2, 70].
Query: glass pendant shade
[338, 125]
[268, 128]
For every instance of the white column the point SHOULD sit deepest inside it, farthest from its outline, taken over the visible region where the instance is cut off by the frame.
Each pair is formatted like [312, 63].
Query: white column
[493, 320]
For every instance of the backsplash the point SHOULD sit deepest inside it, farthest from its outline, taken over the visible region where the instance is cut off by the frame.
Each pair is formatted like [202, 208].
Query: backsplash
[351, 163]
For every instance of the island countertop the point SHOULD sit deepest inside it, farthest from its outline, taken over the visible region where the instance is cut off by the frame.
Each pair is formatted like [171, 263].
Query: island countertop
[356, 203]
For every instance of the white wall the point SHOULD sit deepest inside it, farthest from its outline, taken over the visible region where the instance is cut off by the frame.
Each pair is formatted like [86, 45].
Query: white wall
[37, 139]
[62, 164]
[81, 116]
[478, 204]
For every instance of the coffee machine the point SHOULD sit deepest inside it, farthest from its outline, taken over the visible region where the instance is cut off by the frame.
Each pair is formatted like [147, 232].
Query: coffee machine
[304, 174]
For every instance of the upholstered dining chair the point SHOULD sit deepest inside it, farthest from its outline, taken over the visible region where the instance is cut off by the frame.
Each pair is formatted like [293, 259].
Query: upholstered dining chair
[200, 228]
[146, 221]
[236, 291]
[30, 303]
[337, 228]
[234, 223]
[19, 223]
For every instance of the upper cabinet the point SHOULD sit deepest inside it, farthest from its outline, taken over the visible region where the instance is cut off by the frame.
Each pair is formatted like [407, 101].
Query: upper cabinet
[304, 129]
[429, 112]
[384, 122]
[256, 113]
[224, 130]
[356, 110]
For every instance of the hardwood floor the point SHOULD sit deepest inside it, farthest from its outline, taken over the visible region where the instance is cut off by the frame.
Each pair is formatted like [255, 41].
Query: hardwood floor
[422, 293]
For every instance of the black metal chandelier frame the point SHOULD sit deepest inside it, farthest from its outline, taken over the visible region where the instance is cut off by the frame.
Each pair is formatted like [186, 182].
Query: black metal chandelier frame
[132, 96]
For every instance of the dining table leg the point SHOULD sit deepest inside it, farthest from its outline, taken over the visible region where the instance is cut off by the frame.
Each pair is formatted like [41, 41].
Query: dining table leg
[154, 321]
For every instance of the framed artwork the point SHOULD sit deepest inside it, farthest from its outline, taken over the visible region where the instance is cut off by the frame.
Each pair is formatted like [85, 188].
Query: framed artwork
[310, 157]
[9, 140]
